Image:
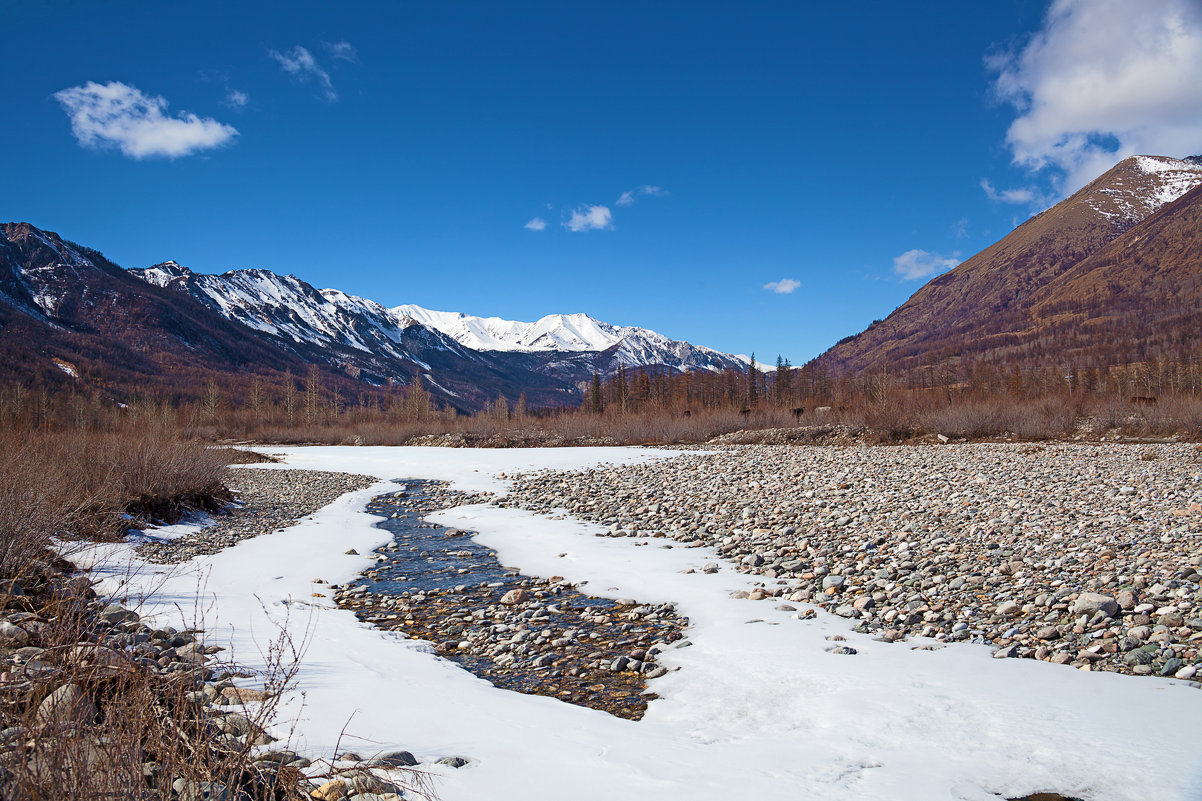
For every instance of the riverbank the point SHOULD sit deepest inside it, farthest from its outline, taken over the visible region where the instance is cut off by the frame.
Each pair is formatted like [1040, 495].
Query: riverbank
[773, 690]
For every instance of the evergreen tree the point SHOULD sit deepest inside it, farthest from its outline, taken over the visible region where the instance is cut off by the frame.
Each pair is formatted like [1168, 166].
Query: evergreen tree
[752, 383]
[596, 401]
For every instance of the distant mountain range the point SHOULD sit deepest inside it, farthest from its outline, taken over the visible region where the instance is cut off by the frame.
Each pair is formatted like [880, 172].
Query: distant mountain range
[1111, 275]
[287, 307]
[65, 304]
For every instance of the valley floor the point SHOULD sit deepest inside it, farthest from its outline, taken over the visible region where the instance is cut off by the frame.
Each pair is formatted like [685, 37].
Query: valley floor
[764, 704]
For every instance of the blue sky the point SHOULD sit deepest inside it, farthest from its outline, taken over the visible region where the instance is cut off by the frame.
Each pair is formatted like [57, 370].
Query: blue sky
[748, 176]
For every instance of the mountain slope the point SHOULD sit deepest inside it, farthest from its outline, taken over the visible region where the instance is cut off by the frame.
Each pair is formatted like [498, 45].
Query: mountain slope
[60, 301]
[992, 304]
[373, 342]
[1139, 297]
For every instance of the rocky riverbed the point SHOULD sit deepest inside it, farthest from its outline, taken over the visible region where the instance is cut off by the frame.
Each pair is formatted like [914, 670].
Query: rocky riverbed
[533, 635]
[266, 501]
[1080, 554]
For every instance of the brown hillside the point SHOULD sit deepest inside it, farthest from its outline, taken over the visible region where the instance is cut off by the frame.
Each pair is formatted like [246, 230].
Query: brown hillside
[1140, 297]
[1009, 302]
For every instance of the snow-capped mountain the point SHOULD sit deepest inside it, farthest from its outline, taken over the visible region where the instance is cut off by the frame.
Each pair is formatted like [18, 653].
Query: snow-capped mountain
[572, 333]
[68, 313]
[289, 308]
[1139, 186]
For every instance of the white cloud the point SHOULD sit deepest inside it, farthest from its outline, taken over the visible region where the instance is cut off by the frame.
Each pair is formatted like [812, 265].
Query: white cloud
[590, 218]
[628, 198]
[236, 99]
[344, 51]
[118, 115]
[537, 224]
[1103, 80]
[1024, 195]
[784, 286]
[915, 264]
[300, 64]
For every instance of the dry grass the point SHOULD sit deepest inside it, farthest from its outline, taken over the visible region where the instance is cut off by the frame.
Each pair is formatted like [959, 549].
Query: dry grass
[73, 484]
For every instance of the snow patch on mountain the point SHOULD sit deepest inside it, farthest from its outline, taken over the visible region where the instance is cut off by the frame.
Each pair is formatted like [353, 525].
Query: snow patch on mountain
[1176, 178]
[1153, 182]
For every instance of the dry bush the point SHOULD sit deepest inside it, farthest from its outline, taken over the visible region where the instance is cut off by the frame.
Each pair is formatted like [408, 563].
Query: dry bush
[86, 484]
[84, 721]
[1170, 416]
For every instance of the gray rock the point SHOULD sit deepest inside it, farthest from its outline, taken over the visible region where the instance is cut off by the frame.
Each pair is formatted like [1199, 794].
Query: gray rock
[1171, 666]
[67, 705]
[115, 614]
[1173, 620]
[393, 759]
[1088, 603]
[833, 582]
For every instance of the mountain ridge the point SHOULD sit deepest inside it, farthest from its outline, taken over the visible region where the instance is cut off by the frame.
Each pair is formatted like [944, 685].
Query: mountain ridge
[255, 296]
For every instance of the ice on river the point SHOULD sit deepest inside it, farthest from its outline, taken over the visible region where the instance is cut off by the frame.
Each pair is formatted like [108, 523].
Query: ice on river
[758, 709]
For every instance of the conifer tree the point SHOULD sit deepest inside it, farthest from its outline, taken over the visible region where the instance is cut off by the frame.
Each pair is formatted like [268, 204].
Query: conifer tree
[752, 383]
[596, 401]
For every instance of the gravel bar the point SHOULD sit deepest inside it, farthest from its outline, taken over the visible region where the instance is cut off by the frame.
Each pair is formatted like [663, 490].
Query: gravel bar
[267, 501]
[1079, 554]
[541, 636]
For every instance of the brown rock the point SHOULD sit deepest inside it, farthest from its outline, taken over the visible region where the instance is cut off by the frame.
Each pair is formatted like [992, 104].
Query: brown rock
[333, 790]
[515, 597]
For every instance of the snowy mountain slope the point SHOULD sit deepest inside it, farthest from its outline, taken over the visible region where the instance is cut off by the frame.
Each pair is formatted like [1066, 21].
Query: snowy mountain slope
[364, 339]
[290, 308]
[65, 304]
[573, 333]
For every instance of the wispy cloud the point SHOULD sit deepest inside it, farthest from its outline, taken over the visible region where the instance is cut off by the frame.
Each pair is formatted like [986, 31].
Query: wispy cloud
[960, 228]
[1103, 80]
[344, 51]
[300, 64]
[537, 224]
[783, 287]
[590, 218]
[118, 115]
[628, 198]
[915, 264]
[236, 99]
[1023, 196]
